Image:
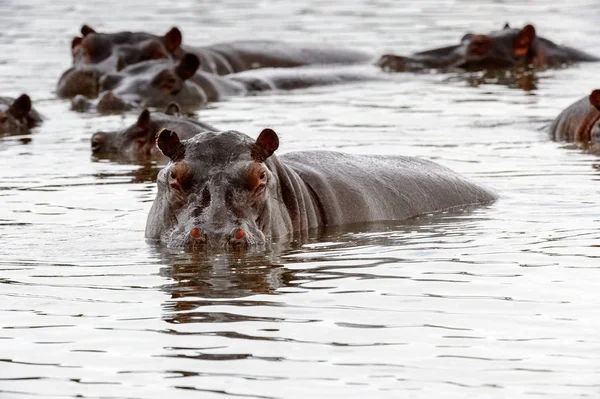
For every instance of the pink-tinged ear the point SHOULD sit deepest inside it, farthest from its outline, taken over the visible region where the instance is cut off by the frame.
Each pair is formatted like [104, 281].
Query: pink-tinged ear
[595, 99]
[21, 106]
[86, 30]
[144, 120]
[265, 145]
[76, 42]
[187, 66]
[524, 40]
[170, 145]
[173, 39]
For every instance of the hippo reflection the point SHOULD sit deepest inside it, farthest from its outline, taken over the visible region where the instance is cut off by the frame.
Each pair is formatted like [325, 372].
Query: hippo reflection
[140, 138]
[17, 115]
[501, 49]
[580, 121]
[223, 189]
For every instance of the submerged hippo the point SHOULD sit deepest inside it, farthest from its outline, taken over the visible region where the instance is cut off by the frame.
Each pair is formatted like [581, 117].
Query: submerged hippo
[159, 82]
[580, 121]
[17, 115]
[96, 54]
[228, 189]
[140, 138]
[501, 49]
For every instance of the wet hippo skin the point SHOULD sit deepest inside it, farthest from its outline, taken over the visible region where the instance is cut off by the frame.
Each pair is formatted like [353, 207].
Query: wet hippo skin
[17, 115]
[224, 189]
[501, 49]
[580, 121]
[159, 82]
[140, 138]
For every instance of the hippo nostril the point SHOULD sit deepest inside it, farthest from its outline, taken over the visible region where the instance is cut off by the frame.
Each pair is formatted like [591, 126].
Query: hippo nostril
[196, 233]
[97, 142]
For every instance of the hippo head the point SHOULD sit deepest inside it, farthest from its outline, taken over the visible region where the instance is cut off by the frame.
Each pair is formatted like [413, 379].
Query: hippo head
[595, 103]
[14, 116]
[500, 49]
[154, 83]
[140, 138]
[218, 190]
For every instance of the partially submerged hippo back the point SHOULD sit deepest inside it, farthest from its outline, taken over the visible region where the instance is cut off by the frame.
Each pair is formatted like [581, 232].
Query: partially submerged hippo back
[501, 49]
[140, 138]
[580, 121]
[227, 189]
[17, 115]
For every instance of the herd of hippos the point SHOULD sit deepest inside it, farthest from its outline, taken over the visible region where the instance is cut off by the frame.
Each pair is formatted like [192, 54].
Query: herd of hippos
[223, 188]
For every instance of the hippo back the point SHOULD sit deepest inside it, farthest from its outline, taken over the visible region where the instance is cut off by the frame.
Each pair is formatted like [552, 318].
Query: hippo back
[358, 188]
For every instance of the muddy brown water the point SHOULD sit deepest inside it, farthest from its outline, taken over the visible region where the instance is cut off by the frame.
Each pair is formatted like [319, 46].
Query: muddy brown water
[495, 302]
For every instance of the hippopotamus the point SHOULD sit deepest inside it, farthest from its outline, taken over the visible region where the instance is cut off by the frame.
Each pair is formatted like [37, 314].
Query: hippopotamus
[222, 189]
[580, 121]
[140, 138]
[17, 115]
[157, 83]
[501, 49]
[96, 54]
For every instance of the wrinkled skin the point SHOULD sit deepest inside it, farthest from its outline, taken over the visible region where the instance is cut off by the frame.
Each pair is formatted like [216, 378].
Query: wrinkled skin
[580, 122]
[139, 139]
[225, 189]
[158, 83]
[506, 48]
[17, 115]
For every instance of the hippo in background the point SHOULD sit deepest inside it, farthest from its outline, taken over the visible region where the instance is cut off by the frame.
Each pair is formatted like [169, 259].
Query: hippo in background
[159, 82]
[17, 115]
[580, 122]
[96, 54]
[503, 49]
[226, 189]
[139, 139]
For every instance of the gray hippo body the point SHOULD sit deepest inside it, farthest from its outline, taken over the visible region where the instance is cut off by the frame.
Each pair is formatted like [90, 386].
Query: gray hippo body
[17, 116]
[503, 49]
[580, 121]
[227, 189]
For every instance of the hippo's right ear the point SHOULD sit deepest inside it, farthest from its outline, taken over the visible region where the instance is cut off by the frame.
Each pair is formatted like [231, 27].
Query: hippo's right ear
[143, 121]
[76, 42]
[21, 106]
[187, 66]
[170, 145]
[173, 109]
[524, 40]
[265, 145]
[595, 99]
[173, 39]
[86, 30]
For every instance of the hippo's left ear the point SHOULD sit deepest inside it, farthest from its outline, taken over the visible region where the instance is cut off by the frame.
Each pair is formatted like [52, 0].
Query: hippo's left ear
[173, 109]
[506, 26]
[86, 30]
[76, 42]
[187, 66]
[21, 106]
[173, 39]
[170, 145]
[523, 41]
[265, 145]
[595, 99]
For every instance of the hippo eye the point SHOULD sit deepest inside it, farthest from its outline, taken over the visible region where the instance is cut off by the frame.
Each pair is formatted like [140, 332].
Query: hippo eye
[263, 175]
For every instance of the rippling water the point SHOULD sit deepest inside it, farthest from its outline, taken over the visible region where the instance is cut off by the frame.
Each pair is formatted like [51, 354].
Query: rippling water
[494, 302]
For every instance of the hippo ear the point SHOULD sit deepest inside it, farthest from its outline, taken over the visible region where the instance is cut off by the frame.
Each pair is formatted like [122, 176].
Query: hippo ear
[595, 99]
[265, 145]
[173, 39]
[86, 30]
[121, 63]
[144, 120]
[467, 36]
[187, 66]
[506, 26]
[76, 42]
[170, 145]
[523, 41]
[173, 109]
[21, 106]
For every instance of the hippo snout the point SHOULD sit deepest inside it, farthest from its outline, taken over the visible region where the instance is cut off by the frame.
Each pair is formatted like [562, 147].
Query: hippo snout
[237, 237]
[390, 62]
[97, 142]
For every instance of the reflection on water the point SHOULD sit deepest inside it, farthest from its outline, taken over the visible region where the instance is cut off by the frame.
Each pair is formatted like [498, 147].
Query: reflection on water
[498, 301]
